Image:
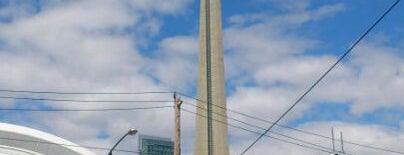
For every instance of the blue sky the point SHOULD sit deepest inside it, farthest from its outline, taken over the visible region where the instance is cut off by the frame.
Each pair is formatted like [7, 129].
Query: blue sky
[274, 50]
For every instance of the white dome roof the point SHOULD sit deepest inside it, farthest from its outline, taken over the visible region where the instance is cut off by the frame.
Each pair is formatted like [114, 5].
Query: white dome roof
[19, 140]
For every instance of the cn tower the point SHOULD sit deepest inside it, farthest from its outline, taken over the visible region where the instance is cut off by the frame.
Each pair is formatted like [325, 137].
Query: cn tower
[211, 130]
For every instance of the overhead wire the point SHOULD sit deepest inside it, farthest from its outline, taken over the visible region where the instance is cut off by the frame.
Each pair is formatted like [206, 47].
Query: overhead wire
[83, 110]
[54, 92]
[251, 131]
[291, 128]
[323, 76]
[84, 101]
[69, 145]
[259, 127]
[110, 109]
[116, 109]
[157, 107]
[77, 110]
[83, 93]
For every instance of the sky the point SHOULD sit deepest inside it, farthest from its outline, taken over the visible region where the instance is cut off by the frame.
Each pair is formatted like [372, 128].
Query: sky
[274, 51]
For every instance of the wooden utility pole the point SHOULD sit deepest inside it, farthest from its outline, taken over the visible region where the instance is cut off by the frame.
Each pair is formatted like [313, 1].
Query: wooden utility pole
[177, 139]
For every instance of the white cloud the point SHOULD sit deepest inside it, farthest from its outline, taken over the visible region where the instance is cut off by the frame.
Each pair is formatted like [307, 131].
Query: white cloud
[16, 9]
[374, 80]
[269, 67]
[288, 69]
[370, 135]
[249, 48]
[83, 46]
[171, 7]
[290, 19]
[256, 40]
[265, 56]
[315, 15]
[290, 5]
[176, 62]
[266, 103]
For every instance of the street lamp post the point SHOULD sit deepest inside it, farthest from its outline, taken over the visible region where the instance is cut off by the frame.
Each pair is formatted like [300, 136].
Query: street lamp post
[130, 132]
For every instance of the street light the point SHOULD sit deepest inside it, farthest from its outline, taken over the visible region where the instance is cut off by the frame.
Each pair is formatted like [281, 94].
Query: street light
[130, 132]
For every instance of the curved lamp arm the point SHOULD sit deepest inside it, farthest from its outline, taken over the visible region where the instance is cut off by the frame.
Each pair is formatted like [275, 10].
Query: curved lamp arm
[130, 132]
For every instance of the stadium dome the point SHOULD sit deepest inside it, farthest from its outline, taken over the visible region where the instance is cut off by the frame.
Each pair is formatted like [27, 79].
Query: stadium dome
[19, 140]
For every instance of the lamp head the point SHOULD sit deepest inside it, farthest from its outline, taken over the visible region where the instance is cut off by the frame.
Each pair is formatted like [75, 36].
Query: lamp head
[132, 131]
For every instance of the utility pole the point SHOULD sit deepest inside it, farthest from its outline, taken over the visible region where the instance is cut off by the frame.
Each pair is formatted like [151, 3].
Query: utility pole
[333, 141]
[342, 143]
[177, 138]
[334, 152]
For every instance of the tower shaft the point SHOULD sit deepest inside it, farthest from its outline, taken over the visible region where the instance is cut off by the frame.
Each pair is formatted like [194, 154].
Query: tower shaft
[211, 84]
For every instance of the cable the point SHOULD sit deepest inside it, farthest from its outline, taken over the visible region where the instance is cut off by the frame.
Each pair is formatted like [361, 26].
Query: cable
[259, 127]
[84, 93]
[83, 110]
[124, 109]
[59, 144]
[238, 127]
[323, 76]
[295, 129]
[85, 101]
[373, 147]
[345, 141]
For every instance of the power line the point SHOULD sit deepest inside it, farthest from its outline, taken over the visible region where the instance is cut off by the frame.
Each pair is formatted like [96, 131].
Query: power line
[295, 129]
[84, 101]
[157, 107]
[323, 76]
[251, 131]
[70, 145]
[83, 110]
[259, 127]
[372, 147]
[83, 93]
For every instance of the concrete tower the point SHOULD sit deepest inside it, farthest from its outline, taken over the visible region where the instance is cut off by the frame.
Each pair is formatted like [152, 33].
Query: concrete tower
[211, 84]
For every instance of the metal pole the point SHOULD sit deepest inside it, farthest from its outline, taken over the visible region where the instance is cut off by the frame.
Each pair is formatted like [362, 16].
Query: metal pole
[333, 143]
[116, 144]
[342, 143]
[130, 132]
[209, 79]
[177, 139]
